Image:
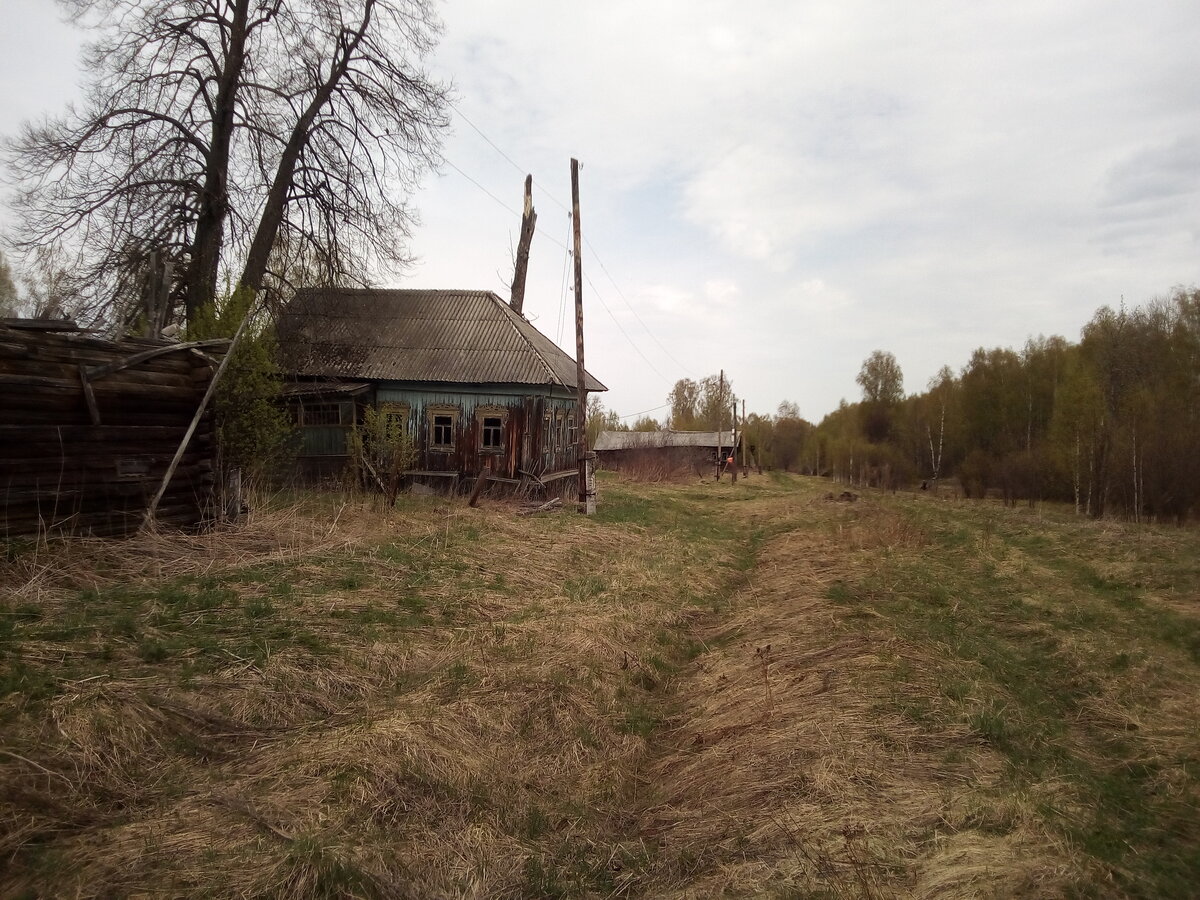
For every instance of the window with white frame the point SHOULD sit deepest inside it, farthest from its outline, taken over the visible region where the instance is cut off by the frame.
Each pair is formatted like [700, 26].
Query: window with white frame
[443, 422]
[492, 433]
[491, 428]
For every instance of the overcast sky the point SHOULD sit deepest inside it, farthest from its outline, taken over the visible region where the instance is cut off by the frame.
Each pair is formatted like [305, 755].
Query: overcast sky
[779, 188]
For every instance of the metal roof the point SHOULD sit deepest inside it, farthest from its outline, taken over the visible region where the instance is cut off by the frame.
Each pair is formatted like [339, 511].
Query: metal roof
[648, 440]
[419, 335]
[322, 388]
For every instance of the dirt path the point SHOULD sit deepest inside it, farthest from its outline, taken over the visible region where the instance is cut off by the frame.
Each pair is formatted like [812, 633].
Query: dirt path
[792, 771]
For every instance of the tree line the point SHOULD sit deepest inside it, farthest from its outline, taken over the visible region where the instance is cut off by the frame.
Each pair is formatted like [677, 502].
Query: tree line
[1110, 424]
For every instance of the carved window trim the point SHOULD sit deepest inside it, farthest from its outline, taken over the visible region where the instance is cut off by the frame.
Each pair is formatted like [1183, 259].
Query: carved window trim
[491, 434]
[445, 430]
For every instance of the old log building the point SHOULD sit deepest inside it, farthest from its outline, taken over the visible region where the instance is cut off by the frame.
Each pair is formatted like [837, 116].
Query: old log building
[476, 386]
[88, 427]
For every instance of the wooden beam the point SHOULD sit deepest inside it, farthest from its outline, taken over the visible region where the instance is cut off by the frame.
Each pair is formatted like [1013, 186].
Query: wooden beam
[108, 368]
[89, 396]
[212, 387]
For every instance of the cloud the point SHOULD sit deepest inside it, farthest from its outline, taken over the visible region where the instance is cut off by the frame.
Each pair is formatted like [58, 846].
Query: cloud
[779, 188]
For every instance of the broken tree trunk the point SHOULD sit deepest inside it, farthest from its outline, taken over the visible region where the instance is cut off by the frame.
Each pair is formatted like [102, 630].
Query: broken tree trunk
[528, 221]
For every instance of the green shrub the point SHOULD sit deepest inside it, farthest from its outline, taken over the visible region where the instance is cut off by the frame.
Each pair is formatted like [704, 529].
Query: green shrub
[253, 431]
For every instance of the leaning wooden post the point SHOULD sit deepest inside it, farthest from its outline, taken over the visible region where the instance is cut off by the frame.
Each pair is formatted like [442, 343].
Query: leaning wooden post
[212, 386]
[589, 507]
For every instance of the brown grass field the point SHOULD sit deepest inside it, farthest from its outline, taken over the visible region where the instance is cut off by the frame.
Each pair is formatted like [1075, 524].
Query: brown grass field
[706, 690]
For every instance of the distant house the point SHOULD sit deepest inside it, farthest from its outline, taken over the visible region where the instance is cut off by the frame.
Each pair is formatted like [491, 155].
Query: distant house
[663, 453]
[474, 384]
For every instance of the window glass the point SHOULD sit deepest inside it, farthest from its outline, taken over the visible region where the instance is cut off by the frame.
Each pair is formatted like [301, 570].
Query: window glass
[492, 433]
[443, 430]
[323, 414]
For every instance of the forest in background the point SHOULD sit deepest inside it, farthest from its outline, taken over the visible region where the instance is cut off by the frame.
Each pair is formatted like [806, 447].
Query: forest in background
[1110, 424]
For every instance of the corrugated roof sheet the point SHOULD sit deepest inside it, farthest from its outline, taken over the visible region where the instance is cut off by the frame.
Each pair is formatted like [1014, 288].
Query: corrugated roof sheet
[322, 388]
[419, 335]
[646, 440]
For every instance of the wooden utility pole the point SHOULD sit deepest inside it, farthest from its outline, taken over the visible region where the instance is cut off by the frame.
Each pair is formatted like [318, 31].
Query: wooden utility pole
[587, 499]
[528, 222]
[745, 468]
[720, 421]
[733, 443]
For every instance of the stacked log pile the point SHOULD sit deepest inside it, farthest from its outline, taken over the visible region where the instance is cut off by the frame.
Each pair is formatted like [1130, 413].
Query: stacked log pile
[88, 427]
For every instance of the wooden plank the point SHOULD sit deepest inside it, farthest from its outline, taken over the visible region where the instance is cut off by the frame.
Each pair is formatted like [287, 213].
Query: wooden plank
[116, 366]
[42, 432]
[69, 370]
[40, 325]
[212, 385]
[70, 386]
[89, 396]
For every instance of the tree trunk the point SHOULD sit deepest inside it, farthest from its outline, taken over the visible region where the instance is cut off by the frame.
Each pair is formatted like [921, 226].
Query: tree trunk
[277, 198]
[205, 252]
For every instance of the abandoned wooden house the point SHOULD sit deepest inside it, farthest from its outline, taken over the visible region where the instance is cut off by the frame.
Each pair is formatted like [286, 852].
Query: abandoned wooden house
[474, 385]
[89, 426]
[663, 454]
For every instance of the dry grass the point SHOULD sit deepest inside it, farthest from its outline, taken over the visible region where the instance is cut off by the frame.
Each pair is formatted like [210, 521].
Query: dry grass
[443, 751]
[703, 690]
[791, 776]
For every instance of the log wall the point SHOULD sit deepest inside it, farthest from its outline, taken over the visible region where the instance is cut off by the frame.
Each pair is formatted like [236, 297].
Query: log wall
[70, 466]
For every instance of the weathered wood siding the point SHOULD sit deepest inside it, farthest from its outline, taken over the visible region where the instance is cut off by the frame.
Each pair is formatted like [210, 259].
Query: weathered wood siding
[526, 443]
[59, 471]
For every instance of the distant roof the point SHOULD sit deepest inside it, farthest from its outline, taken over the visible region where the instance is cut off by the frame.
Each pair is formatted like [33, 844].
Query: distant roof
[645, 440]
[419, 335]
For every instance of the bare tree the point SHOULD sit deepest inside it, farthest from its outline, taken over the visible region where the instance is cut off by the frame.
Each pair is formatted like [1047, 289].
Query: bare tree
[9, 302]
[239, 136]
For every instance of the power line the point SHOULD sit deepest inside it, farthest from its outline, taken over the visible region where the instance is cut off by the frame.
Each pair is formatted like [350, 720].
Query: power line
[621, 327]
[510, 160]
[480, 186]
[643, 412]
[633, 310]
[498, 200]
[562, 291]
[590, 246]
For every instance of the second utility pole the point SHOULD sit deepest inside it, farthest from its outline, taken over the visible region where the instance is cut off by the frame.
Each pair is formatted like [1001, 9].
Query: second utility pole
[586, 502]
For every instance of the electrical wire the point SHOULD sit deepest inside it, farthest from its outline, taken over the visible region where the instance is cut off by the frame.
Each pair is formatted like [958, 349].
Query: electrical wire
[562, 291]
[595, 255]
[644, 411]
[498, 200]
[633, 310]
[596, 291]
[510, 160]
